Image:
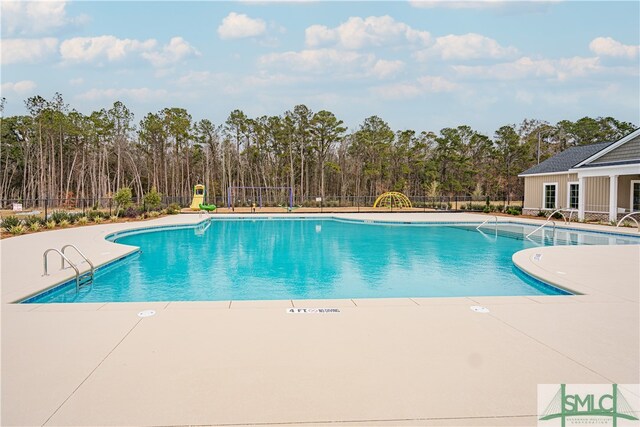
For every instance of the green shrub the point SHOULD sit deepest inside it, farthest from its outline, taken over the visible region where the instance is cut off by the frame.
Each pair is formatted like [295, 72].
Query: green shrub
[98, 219]
[173, 209]
[152, 199]
[113, 218]
[153, 214]
[10, 221]
[16, 230]
[74, 217]
[130, 212]
[51, 224]
[123, 198]
[64, 223]
[83, 220]
[35, 226]
[91, 215]
[541, 214]
[59, 216]
[514, 210]
[33, 219]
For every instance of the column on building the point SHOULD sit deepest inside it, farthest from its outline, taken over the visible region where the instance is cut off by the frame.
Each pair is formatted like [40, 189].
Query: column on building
[613, 197]
[582, 191]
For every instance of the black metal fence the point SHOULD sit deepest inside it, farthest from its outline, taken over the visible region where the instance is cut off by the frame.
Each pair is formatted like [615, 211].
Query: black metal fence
[455, 203]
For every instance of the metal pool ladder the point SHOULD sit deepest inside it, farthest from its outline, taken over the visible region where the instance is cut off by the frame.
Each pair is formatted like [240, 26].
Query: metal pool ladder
[82, 279]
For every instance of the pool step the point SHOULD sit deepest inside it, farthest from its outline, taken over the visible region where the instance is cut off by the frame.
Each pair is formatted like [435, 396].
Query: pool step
[85, 279]
[546, 236]
[520, 233]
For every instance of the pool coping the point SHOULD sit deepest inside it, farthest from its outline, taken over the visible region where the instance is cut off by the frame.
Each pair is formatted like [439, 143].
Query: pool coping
[521, 262]
[379, 361]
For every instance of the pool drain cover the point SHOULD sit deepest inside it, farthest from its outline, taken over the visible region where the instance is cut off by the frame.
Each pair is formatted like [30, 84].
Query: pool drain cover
[479, 309]
[147, 313]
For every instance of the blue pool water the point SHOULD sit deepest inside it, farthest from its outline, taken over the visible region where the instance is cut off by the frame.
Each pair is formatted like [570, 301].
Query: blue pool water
[317, 259]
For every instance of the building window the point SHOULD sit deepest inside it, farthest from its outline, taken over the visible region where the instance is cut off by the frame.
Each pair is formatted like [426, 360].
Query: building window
[635, 196]
[574, 189]
[550, 196]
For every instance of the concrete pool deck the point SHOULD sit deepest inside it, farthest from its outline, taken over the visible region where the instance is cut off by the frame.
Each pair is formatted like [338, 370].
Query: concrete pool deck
[404, 361]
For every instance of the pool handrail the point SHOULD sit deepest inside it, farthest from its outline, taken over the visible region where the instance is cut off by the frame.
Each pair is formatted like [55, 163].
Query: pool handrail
[487, 220]
[542, 226]
[630, 217]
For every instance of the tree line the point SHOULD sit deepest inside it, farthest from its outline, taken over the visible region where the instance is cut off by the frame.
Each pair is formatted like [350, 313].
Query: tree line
[55, 151]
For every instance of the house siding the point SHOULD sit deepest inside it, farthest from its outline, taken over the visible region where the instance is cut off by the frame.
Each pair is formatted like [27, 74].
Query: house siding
[627, 151]
[624, 190]
[597, 194]
[533, 189]
[597, 191]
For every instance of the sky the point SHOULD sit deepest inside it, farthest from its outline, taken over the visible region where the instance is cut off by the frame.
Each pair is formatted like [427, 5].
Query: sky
[421, 65]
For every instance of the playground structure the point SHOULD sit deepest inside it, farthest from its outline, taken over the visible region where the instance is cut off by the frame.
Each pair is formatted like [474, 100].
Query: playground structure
[197, 204]
[257, 194]
[392, 199]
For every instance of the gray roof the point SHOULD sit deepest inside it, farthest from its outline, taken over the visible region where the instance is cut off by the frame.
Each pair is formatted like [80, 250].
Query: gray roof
[567, 159]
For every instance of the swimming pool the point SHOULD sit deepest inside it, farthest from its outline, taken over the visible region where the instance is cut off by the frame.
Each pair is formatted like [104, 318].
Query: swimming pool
[310, 258]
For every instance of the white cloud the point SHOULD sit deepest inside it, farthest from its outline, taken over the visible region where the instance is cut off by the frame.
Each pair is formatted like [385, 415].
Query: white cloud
[357, 33]
[19, 88]
[318, 60]
[26, 50]
[465, 46]
[383, 68]
[436, 84]
[177, 50]
[317, 35]
[345, 64]
[606, 46]
[111, 48]
[454, 4]
[421, 86]
[35, 17]
[267, 80]
[526, 68]
[76, 82]
[231, 84]
[238, 25]
[136, 94]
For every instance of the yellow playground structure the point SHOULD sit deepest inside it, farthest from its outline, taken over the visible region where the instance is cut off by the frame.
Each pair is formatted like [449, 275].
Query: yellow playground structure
[198, 200]
[392, 199]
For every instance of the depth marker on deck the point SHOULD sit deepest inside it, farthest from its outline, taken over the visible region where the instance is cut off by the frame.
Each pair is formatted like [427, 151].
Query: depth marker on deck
[312, 310]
